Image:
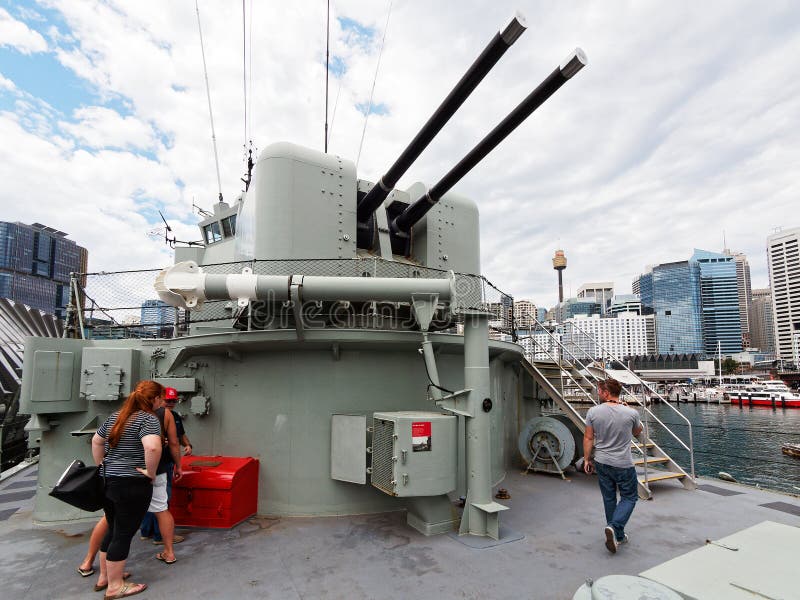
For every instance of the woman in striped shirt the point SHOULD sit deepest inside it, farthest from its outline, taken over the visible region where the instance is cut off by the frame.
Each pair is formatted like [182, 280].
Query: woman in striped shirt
[128, 444]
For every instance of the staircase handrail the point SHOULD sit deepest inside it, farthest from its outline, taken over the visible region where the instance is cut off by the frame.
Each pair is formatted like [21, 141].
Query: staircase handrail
[563, 372]
[690, 447]
[565, 349]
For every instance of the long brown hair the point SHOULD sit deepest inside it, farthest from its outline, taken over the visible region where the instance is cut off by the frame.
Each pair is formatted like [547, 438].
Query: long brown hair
[141, 399]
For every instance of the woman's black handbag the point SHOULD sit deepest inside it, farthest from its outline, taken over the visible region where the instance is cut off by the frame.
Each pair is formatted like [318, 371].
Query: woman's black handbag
[81, 486]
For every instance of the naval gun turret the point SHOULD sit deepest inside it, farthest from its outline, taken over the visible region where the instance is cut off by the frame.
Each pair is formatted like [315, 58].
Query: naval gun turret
[336, 329]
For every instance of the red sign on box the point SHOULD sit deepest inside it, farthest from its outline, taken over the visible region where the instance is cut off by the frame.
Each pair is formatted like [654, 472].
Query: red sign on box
[421, 436]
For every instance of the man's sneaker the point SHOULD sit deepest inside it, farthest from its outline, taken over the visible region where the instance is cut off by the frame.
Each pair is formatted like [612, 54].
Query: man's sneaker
[624, 539]
[611, 543]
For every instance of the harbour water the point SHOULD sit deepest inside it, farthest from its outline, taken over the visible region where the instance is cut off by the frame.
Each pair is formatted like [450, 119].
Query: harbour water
[745, 442]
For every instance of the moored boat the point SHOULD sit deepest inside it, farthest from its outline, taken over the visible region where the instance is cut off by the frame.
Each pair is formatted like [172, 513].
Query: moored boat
[768, 393]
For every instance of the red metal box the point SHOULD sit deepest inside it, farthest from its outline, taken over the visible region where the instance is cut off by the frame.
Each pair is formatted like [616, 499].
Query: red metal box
[215, 491]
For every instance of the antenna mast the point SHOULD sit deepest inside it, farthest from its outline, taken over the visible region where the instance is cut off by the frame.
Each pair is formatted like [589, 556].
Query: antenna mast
[208, 95]
[327, 68]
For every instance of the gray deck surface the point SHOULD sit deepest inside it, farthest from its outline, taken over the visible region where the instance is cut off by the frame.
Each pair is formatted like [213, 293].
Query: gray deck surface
[379, 556]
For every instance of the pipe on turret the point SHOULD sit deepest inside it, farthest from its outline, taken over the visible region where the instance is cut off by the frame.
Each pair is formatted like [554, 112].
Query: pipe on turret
[186, 285]
[468, 82]
[403, 223]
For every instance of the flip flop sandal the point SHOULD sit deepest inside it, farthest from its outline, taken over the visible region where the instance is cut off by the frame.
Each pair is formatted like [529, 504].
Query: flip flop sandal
[100, 588]
[85, 572]
[128, 589]
[160, 556]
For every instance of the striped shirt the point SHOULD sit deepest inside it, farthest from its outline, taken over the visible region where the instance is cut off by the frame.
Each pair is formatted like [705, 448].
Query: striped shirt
[122, 460]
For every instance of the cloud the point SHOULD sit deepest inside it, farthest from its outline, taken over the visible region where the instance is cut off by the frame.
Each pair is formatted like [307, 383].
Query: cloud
[6, 84]
[99, 127]
[16, 34]
[684, 124]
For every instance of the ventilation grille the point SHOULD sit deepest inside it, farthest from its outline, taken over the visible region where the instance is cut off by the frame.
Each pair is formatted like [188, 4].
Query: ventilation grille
[383, 456]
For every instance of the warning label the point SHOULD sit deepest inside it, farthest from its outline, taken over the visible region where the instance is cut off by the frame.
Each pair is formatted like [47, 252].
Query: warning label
[421, 436]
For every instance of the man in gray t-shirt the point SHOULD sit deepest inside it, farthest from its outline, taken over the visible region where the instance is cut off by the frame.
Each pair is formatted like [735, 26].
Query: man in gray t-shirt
[607, 450]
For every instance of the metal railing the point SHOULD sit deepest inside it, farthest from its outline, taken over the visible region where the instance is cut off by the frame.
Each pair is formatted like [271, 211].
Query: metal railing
[124, 304]
[558, 360]
[645, 409]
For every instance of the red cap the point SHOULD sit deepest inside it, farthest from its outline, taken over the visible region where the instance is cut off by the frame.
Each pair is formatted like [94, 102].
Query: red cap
[170, 393]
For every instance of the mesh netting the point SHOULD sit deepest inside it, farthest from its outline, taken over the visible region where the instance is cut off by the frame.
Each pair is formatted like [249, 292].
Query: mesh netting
[124, 304]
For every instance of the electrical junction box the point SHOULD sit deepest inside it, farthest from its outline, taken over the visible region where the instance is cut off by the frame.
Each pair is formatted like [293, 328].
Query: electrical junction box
[414, 453]
[108, 374]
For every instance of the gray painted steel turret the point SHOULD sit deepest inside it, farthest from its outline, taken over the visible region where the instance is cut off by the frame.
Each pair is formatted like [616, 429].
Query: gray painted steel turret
[335, 329]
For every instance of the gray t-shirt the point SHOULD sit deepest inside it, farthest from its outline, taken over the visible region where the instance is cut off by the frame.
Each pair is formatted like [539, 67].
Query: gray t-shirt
[613, 429]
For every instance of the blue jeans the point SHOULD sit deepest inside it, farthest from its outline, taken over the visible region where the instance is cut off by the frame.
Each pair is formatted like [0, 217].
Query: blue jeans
[612, 479]
[149, 526]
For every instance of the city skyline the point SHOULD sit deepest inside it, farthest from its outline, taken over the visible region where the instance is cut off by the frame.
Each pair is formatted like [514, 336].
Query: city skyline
[675, 132]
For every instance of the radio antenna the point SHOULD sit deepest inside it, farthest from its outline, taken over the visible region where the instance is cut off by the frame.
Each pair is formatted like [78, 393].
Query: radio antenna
[208, 95]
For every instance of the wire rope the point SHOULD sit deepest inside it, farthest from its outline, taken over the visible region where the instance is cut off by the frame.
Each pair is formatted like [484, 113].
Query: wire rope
[250, 75]
[338, 91]
[374, 80]
[244, 68]
[208, 95]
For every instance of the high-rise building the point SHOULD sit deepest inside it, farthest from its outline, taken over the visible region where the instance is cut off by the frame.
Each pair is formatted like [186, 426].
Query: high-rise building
[783, 259]
[158, 317]
[719, 303]
[672, 291]
[35, 265]
[643, 287]
[625, 303]
[524, 314]
[626, 335]
[745, 291]
[762, 329]
[541, 345]
[600, 291]
[572, 307]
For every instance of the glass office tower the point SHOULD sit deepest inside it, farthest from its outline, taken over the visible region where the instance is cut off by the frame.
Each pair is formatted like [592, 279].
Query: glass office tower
[672, 291]
[719, 301]
[35, 263]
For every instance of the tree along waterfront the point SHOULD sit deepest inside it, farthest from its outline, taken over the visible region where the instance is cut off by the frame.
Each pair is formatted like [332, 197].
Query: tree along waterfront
[743, 441]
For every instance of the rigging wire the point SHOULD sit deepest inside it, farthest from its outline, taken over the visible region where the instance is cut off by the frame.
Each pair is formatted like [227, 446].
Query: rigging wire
[374, 80]
[327, 69]
[244, 69]
[338, 91]
[250, 75]
[208, 95]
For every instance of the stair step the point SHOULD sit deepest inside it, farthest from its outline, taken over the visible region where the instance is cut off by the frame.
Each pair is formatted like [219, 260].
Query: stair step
[661, 477]
[651, 460]
[647, 445]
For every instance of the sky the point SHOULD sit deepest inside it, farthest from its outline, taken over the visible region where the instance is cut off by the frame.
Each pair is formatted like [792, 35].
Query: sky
[682, 131]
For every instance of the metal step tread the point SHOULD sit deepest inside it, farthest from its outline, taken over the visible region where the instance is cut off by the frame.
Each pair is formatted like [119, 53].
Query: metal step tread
[651, 460]
[661, 477]
[647, 445]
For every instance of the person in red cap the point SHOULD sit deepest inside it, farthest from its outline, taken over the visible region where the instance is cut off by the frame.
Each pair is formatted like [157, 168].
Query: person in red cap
[158, 516]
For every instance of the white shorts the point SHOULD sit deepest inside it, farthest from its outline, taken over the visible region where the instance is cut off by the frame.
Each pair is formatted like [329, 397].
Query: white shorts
[159, 500]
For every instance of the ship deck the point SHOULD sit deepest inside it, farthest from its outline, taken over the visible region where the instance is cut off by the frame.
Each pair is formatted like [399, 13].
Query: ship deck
[379, 556]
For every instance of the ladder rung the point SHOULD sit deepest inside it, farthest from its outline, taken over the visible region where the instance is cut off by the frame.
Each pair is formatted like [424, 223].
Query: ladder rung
[652, 460]
[650, 479]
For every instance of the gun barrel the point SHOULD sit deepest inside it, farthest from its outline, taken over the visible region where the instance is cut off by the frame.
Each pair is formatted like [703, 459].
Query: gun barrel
[468, 82]
[411, 215]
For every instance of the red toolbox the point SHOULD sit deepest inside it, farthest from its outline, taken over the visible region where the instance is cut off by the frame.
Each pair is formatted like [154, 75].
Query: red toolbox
[215, 491]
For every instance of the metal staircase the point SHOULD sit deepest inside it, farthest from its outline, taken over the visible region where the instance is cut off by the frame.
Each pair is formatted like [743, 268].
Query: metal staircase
[561, 370]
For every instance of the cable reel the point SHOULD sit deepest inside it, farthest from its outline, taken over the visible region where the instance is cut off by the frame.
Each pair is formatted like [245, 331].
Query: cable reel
[549, 444]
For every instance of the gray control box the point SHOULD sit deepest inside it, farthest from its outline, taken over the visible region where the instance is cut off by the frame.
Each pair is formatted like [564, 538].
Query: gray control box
[414, 453]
